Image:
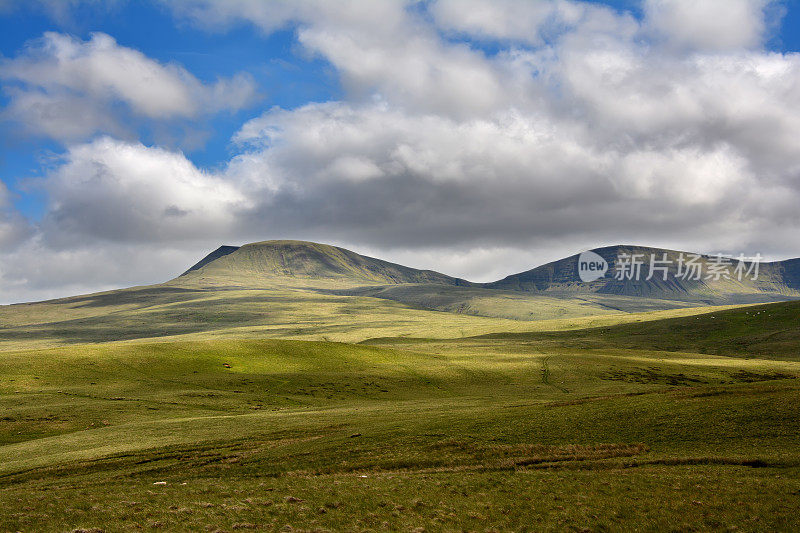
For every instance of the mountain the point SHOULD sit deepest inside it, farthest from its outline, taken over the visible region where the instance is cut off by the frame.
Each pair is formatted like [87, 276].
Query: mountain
[554, 290]
[307, 260]
[774, 281]
[307, 290]
[326, 266]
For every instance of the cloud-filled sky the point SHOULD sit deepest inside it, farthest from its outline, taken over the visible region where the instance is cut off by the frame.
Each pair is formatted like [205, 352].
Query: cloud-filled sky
[475, 137]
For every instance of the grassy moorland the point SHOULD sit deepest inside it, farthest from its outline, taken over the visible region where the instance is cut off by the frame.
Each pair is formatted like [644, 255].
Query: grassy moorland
[763, 331]
[292, 386]
[282, 311]
[665, 424]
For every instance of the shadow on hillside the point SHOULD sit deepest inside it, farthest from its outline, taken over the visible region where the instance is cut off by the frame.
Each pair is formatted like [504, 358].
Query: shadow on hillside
[170, 315]
[147, 296]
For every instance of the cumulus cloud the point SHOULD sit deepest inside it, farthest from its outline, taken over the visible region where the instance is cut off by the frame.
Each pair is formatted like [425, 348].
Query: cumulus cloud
[378, 47]
[69, 89]
[35, 271]
[708, 24]
[119, 213]
[114, 191]
[531, 23]
[585, 126]
[377, 175]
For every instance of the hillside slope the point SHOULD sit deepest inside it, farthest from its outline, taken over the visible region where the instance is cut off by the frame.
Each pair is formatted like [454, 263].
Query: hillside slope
[325, 266]
[775, 281]
[292, 289]
[770, 331]
[309, 260]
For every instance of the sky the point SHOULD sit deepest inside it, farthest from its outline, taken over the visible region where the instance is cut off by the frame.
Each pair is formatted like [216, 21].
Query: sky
[479, 138]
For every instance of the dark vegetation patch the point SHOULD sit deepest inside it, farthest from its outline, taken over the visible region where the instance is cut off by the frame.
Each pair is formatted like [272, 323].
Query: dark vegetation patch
[651, 375]
[747, 376]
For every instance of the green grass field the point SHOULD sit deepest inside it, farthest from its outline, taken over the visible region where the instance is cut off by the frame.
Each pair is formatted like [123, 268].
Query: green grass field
[295, 409]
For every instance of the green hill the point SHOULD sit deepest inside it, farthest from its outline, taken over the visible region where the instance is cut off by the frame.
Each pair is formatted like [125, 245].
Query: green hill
[300, 259]
[546, 292]
[314, 291]
[324, 266]
[775, 281]
[770, 331]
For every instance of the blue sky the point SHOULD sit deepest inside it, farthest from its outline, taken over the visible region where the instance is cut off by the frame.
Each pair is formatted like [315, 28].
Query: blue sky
[476, 137]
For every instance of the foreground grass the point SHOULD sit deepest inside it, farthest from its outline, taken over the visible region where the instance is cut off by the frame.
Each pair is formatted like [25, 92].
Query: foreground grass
[472, 435]
[652, 498]
[628, 427]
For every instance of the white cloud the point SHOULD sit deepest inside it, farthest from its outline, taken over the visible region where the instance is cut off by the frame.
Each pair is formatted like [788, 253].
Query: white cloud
[597, 107]
[68, 89]
[708, 24]
[518, 20]
[119, 214]
[688, 176]
[36, 271]
[64, 116]
[121, 192]
[379, 49]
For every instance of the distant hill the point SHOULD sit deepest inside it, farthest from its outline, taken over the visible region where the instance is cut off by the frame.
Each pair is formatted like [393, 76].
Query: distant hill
[320, 265]
[307, 290]
[309, 260]
[775, 281]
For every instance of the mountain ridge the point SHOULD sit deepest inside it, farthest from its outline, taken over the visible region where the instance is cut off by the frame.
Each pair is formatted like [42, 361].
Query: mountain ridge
[304, 259]
[779, 278]
[297, 260]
